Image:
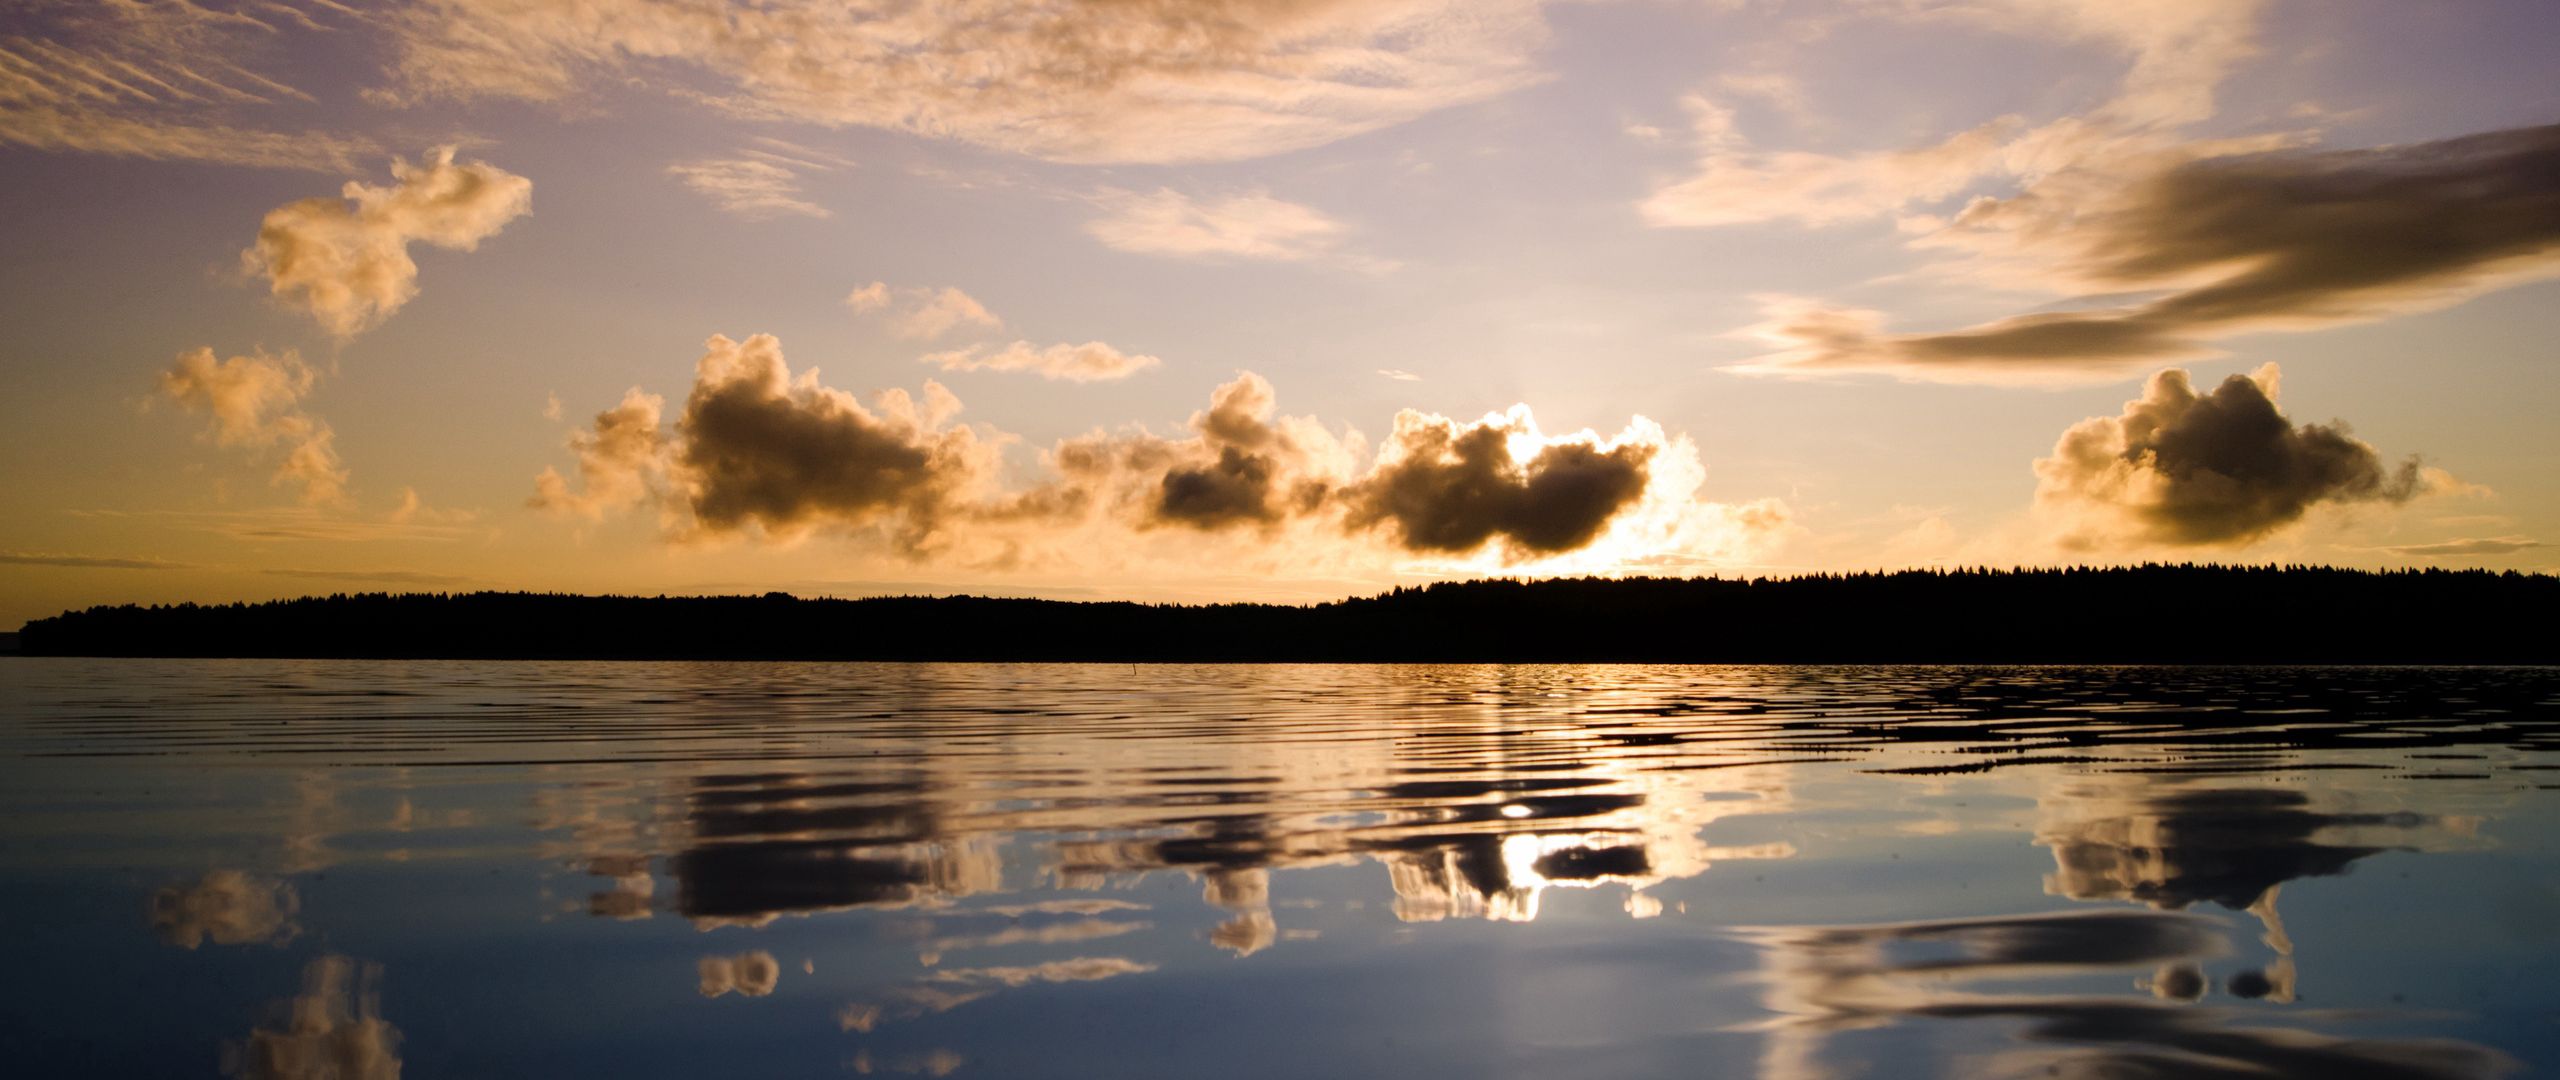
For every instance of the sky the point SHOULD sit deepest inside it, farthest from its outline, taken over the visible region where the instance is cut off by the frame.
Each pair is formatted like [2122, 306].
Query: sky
[1262, 299]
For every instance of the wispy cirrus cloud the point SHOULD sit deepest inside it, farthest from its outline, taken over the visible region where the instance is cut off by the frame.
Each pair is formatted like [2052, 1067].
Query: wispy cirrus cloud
[748, 187]
[379, 577]
[1212, 81]
[1092, 361]
[1248, 226]
[2177, 52]
[2467, 547]
[89, 562]
[163, 81]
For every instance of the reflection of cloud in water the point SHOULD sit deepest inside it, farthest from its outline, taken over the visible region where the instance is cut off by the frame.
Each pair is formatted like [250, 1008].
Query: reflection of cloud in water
[2235, 847]
[749, 974]
[949, 989]
[1076, 906]
[2229, 846]
[228, 907]
[761, 846]
[333, 1030]
[633, 889]
[933, 1063]
[1064, 933]
[1467, 848]
[1823, 982]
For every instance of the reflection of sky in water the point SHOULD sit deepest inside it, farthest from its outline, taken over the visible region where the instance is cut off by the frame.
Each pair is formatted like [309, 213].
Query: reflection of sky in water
[291, 869]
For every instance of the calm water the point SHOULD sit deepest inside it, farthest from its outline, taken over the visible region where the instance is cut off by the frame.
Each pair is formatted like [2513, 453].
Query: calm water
[286, 869]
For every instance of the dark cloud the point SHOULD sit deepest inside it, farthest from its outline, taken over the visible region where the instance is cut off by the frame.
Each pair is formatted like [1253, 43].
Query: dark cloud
[1447, 487]
[762, 451]
[2252, 242]
[2494, 545]
[2227, 467]
[1241, 466]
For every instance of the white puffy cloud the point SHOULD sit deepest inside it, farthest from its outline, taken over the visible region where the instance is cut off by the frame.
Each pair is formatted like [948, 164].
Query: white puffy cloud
[346, 263]
[1092, 82]
[255, 402]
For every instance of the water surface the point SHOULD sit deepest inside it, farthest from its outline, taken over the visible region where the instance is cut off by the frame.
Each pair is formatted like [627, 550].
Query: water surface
[353, 869]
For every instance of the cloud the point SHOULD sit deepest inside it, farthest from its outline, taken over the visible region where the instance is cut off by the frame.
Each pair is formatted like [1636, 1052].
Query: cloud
[1251, 226]
[1399, 375]
[1242, 466]
[347, 265]
[1447, 487]
[922, 314]
[749, 974]
[281, 523]
[92, 562]
[1092, 361]
[622, 460]
[227, 907]
[761, 453]
[333, 1031]
[2186, 469]
[1211, 81]
[384, 577]
[764, 452]
[163, 82]
[751, 188]
[2179, 51]
[254, 402]
[2277, 241]
[2468, 547]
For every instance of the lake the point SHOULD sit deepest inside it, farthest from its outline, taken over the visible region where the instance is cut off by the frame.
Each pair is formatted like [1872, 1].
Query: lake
[479, 869]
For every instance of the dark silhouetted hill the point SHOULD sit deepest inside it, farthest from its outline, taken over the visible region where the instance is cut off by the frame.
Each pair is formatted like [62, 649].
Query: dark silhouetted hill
[2147, 614]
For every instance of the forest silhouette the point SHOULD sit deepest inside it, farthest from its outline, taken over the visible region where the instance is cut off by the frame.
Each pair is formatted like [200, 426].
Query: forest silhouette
[2141, 614]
